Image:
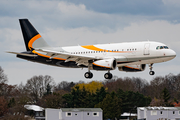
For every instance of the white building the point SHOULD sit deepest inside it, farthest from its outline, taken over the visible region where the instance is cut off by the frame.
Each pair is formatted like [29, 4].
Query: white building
[128, 116]
[74, 114]
[37, 111]
[158, 113]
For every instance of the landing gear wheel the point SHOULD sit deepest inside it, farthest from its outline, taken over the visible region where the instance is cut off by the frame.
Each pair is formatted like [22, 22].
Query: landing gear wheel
[150, 67]
[108, 75]
[151, 72]
[88, 75]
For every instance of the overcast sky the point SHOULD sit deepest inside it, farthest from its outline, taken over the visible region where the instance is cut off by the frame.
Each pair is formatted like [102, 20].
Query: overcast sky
[84, 22]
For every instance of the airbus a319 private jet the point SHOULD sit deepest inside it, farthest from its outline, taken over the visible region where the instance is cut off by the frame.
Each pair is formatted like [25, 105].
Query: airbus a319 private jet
[127, 56]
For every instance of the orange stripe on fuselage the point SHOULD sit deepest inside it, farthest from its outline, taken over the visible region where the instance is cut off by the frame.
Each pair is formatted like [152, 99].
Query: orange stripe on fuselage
[92, 47]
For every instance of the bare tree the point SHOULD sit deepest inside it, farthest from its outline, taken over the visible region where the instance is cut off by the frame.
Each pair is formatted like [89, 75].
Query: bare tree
[64, 85]
[3, 77]
[37, 85]
[157, 87]
[3, 81]
[139, 84]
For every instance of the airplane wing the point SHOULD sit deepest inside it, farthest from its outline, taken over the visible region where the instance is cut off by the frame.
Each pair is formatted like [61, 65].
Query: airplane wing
[24, 54]
[78, 58]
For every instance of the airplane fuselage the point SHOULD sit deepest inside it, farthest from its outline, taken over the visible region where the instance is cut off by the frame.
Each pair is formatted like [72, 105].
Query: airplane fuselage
[131, 53]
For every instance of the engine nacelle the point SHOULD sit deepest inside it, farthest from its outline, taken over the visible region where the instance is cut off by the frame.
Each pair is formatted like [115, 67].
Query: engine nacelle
[106, 64]
[133, 68]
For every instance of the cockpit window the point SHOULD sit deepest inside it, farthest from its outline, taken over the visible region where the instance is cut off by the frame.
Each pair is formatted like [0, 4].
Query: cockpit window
[161, 47]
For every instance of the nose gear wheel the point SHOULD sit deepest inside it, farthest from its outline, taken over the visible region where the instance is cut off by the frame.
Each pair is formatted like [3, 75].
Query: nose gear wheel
[150, 67]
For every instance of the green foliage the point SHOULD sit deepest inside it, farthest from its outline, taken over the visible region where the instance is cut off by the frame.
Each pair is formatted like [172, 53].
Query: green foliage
[83, 98]
[166, 96]
[131, 100]
[78, 98]
[100, 95]
[111, 106]
[11, 103]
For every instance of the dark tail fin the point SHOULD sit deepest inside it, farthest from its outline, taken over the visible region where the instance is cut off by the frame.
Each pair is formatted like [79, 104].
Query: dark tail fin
[31, 36]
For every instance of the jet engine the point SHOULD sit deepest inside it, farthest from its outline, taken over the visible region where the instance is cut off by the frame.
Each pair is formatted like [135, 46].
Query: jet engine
[133, 68]
[106, 64]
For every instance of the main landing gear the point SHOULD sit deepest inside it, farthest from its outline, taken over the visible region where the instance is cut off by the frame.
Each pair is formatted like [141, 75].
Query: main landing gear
[150, 67]
[108, 75]
[89, 75]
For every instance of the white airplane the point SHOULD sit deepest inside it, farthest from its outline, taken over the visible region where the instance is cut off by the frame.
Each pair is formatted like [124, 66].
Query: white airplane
[128, 56]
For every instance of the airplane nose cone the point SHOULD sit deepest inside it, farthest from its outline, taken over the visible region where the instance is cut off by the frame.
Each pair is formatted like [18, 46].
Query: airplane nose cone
[171, 53]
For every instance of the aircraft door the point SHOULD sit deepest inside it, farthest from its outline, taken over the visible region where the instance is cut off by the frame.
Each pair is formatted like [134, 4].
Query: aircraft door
[146, 48]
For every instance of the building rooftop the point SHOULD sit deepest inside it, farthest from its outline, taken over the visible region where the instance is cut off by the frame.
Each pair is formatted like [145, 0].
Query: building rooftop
[81, 109]
[160, 108]
[128, 114]
[33, 107]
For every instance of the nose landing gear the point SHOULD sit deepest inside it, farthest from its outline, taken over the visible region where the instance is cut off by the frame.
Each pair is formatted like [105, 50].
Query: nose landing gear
[150, 67]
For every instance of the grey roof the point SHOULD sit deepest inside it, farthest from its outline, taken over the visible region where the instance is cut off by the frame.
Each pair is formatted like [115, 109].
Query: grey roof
[160, 108]
[81, 109]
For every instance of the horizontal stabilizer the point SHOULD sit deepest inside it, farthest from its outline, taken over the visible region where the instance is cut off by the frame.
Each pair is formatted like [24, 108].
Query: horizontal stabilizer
[24, 54]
